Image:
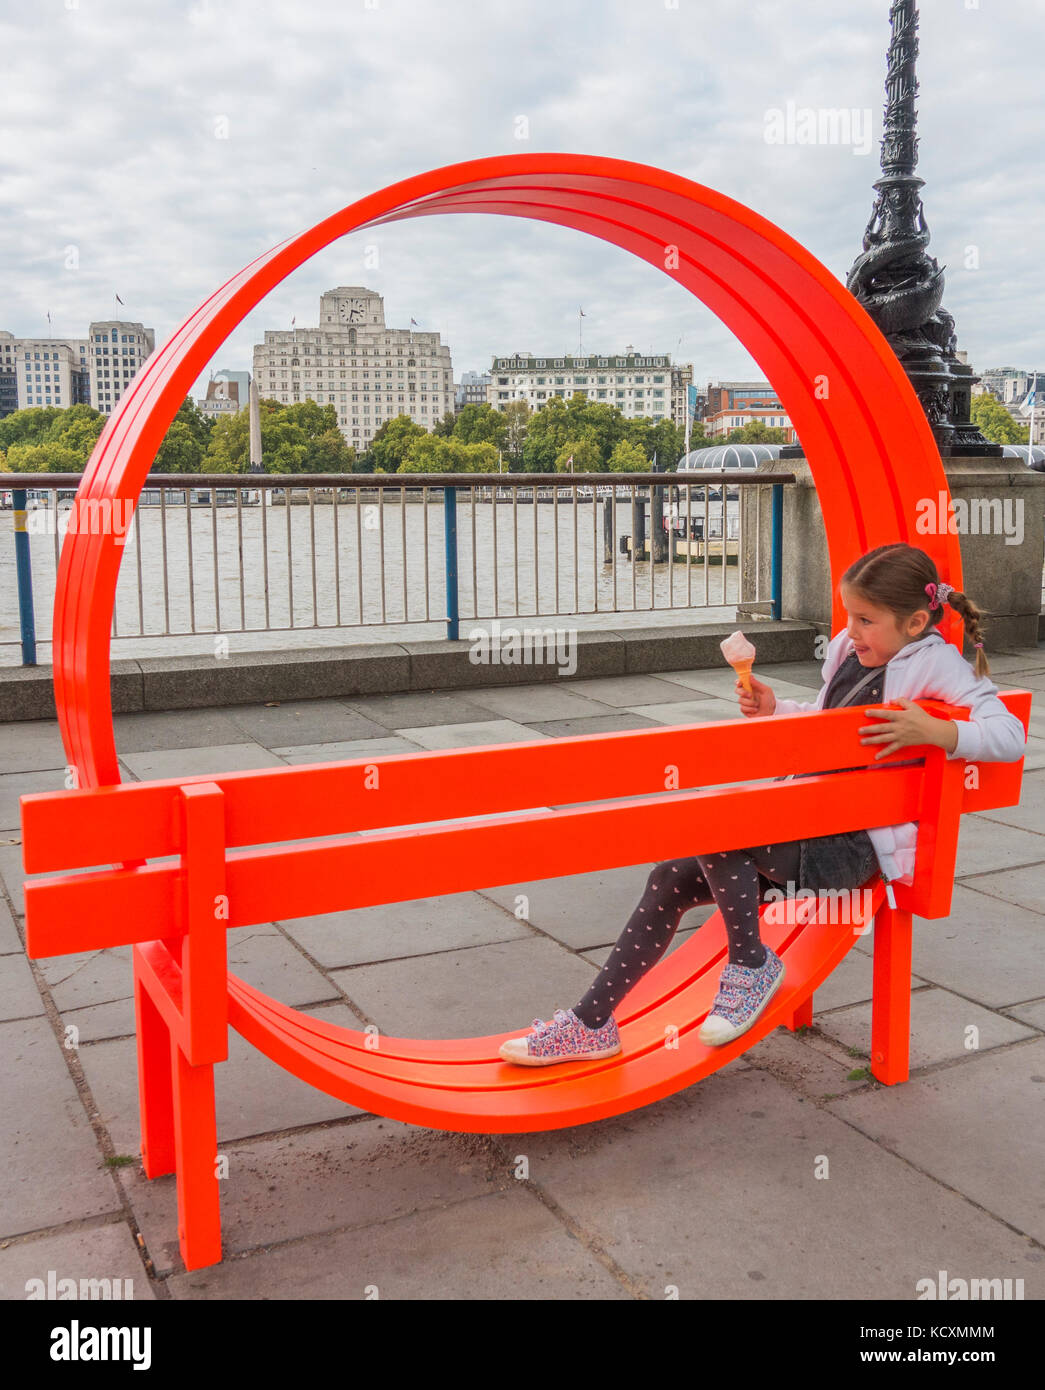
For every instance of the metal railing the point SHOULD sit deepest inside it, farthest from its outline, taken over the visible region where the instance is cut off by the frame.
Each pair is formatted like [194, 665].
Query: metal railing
[214, 554]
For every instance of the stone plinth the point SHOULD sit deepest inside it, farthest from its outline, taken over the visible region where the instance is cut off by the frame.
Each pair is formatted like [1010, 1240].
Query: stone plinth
[999, 513]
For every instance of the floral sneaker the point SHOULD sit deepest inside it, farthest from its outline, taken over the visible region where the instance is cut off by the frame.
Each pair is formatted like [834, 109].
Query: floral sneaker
[743, 993]
[564, 1039]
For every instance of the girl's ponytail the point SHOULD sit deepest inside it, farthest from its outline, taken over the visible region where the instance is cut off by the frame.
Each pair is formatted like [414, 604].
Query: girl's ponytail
[971, 616]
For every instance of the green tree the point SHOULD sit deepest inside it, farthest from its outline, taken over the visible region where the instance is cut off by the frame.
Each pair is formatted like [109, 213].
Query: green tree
[78, 428]
[995, 422]
[481, 457]
[444, 428]
[328, 453]
[44, 458]
[31, 426]
[228, 449]
[754, 432]
[516, 418]
[628, 458]
[546, 433]
[481, 424]
[390, 443]
[585, 453]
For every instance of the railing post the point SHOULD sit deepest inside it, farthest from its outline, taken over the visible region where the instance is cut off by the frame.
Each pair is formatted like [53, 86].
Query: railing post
[453, 617]
[776, 552]
[24, 572]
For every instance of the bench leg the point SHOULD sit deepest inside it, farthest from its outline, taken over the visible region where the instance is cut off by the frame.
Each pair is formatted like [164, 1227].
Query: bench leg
[196, 1146]
[155, 1096]
[891, 996]
[801, 1016]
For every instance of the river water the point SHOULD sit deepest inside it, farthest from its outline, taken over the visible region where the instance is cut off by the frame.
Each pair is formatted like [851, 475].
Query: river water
[363, 573]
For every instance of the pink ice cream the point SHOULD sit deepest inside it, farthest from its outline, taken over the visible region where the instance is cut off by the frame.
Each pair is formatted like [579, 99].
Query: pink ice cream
[740, 653]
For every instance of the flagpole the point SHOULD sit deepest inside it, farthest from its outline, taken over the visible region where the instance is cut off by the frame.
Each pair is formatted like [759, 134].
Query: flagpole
[1030, 432]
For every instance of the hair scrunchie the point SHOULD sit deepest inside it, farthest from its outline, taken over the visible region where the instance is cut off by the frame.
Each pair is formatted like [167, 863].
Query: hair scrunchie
[938, 593]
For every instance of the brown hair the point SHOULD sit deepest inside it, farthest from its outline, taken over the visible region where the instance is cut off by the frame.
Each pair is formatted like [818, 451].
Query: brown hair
[895, 577]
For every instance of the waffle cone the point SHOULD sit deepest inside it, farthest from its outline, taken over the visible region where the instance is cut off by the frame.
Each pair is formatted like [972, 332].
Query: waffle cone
[743, 670]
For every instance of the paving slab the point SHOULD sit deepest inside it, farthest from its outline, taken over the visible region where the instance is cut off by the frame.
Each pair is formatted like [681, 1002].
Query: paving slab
[601, 724]
[808, 674]
[1022, 659]
[721, 684]
[527, 703]
[17, 784]
[705, 710]
[340, 1176]
[19, 997]
[1032, 1013]
[801, 1063]
[986, 845]
[264, 957]
[485, 731]
[95, 1022]
[633, 690]
[715, 1191]
[503, 1246]
[350, 748]
[1030, 813]
[10, 941]
[1034, 757]
[50, 1165]
[468, 993]
[1024, 886]
[12, 874]
[302, 721]
[987, 950]
[191, 762]
[254, 1096]
[580, 910]
[940, 1027]
[416, 709]
[975, 1128]
[89, 977]
[31, 746]
[102, 1260]
[147, 730]
[421, 926]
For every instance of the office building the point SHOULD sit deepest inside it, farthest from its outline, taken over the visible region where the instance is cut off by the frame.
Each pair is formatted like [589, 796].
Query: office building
[352, 360]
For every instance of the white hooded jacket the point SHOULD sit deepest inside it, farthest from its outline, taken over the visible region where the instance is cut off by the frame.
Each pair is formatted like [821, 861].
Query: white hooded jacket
[929, 668]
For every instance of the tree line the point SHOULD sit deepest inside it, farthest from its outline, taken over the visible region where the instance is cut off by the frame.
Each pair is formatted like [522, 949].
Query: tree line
[575, 435]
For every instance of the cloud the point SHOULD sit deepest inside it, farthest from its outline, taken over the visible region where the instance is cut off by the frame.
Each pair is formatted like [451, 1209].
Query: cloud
[171, 143]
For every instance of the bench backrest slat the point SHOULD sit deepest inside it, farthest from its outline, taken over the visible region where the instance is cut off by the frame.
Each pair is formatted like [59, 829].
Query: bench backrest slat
[74, 829]
[75, 912]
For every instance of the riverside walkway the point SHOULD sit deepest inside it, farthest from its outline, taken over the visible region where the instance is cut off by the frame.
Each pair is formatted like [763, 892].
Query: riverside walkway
[712, 1193]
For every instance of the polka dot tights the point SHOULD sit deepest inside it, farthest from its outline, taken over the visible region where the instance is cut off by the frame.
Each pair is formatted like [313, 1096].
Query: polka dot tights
[730, 880]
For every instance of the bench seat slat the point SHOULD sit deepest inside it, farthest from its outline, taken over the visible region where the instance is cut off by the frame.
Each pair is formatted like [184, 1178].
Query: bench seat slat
[481, 1093]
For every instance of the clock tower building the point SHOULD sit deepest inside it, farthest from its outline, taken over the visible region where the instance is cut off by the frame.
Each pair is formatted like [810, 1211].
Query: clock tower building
[353, 361]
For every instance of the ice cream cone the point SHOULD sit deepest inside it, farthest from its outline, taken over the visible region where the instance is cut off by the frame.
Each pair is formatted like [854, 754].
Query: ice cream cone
[743, 670]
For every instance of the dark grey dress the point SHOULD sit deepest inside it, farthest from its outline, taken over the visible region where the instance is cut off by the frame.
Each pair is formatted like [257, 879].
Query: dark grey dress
[846, 860]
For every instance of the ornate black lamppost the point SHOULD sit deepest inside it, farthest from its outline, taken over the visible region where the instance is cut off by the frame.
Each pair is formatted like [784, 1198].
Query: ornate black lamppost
[896, 280]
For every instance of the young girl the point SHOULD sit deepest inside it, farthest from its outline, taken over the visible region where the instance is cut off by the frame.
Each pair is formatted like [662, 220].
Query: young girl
[889, 650]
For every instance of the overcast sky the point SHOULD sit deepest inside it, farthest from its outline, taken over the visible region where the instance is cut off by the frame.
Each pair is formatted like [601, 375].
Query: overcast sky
[171, 141]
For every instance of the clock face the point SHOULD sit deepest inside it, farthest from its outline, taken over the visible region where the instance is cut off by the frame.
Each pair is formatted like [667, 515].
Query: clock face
[351, 310]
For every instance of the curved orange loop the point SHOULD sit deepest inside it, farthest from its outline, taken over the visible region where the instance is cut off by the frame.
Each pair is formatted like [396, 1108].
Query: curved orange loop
[872, 456]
